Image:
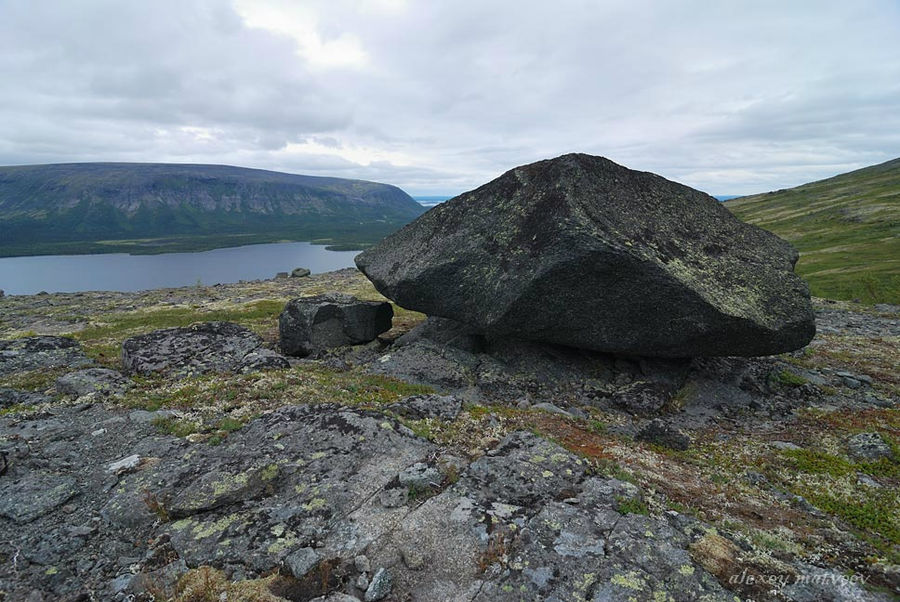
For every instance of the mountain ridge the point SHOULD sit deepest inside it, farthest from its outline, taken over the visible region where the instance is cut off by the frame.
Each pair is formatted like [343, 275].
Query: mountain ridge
[102, 207]
[845, 227]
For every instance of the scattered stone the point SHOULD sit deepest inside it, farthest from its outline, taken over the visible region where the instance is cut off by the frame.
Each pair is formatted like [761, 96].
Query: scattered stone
[125, 464]
[420, 476]
[582, 252]
[816, 584]
[103, 381]
[643, 398]
[300, 273]
[41, 353]
[660, 433]
[197, 349]
[418, 407]
[380, 586]
[362, 564]
[301, 562]
[335, 597]
[867, 481]
[311, 324]
[13, 397]
[553, 409]
[785, 445]
[868, 447]
[34, 495]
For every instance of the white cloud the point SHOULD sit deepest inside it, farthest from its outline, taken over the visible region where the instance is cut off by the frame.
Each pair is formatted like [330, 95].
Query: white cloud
[442, 96]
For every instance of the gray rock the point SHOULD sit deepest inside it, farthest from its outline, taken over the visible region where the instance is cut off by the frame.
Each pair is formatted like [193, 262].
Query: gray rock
[302, 561]
[335, 597]
[34, 495]
[582, 252]
[281, 275]
[362, 563]
[868, 447]
[300, 273]
[394, 497]
[643, 398]
[418, 407]
[41, 352]
[666, 435]
[785, 445]
[379, 586]
[311, 324]
[553, 409]
[198, 349]
[11, 397]
[102, 381]
[420, 476]
[816, 584]
[125, 464]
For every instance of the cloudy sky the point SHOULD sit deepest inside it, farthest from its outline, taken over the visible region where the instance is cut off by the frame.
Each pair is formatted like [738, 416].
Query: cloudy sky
[440, 96]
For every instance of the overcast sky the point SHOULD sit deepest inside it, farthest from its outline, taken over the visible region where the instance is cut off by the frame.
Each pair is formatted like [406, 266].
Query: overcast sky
[441, 96]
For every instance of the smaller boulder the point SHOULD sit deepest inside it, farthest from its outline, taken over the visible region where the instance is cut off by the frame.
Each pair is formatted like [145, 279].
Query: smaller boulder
[418, 407]
[868, 447]
[198, 349]
[666, 435]
[93, 380]
[300, 273]
[311, 324]
[380, 586]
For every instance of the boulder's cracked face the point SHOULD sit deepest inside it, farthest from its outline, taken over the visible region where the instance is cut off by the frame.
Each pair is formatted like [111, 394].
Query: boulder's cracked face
[582, 252]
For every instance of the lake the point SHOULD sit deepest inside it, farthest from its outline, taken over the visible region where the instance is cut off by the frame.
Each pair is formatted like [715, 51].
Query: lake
[121, 272]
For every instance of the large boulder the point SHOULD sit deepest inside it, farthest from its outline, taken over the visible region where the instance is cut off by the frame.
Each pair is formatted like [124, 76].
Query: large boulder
[583, 252]
[311, 324]
[198, 349]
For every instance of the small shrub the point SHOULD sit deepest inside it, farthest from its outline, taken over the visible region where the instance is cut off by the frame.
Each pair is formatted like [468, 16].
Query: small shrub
[176, 427]
[631, 505]
[789, 379]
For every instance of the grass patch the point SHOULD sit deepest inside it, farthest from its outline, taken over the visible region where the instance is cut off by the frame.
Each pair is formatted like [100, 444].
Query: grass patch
[877, 514]
[631, 505]
[176, 426]
[18, 408]
[813, 462]
[33, 380]
[789, 379]
[124, 324]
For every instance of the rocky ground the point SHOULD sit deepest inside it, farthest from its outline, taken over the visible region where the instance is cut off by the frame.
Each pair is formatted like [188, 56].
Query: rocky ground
[433, 464]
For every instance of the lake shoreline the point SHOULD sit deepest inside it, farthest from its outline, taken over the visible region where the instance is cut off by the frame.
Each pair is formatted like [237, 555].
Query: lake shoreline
[122, 272]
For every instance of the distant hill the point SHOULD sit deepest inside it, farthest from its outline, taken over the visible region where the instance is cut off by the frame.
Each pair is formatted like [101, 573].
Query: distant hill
[847, 229]
[154, 207]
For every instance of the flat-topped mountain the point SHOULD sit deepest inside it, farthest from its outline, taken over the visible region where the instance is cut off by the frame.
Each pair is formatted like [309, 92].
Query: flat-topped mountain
[97, 207]
[845, 227]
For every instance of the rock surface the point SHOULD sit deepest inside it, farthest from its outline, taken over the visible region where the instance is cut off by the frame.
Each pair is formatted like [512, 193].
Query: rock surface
[311, 324]
[40, 353]
[198, 349]
[299, 487]
[101, 381]
[582, 252]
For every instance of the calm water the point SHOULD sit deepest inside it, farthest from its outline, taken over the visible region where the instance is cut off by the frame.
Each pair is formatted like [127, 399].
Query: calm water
[121, 272]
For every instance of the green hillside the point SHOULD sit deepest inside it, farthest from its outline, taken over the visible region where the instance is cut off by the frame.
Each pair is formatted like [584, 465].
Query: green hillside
[154, 207]
[847, 229]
